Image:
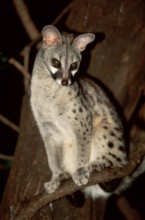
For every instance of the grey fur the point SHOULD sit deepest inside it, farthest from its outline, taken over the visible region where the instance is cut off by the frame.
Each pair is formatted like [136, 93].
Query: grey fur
[78, 124]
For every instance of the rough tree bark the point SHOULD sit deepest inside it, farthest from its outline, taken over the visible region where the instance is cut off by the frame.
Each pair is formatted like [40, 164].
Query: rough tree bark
[118, 61]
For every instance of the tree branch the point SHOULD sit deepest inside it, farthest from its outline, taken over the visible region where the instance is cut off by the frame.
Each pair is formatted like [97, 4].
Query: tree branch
[22, 70]
[6, 157]
[127, 211]
[26, 20]
[9, 123]
[64, 11]
[34, 35]
[68, 187]
[26, 54]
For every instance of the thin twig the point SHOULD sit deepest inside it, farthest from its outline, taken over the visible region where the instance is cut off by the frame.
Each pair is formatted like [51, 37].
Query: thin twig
[20, 67]
[26, 19]
[6, 157]
[9, 123]
[68, 187]
[22, 70]
[26, 54]
[60, 16]
[127, 211]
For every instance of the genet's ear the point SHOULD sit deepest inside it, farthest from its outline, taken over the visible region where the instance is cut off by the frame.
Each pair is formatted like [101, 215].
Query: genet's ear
[83, 40]
[51, 35]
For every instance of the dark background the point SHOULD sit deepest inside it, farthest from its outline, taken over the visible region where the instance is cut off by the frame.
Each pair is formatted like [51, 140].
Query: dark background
[12, 40]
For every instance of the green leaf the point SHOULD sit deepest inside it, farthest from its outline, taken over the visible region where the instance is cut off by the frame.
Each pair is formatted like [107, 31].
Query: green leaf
[3, 61]
[8, 164]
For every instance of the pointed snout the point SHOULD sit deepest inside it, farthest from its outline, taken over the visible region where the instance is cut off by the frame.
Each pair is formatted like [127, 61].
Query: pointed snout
[65, 82]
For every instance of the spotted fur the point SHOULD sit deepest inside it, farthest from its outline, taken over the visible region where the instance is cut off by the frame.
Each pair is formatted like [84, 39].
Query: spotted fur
[78, 124]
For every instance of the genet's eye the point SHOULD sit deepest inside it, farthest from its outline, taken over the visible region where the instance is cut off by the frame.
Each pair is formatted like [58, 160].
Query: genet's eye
[56, 63]
[74, 66]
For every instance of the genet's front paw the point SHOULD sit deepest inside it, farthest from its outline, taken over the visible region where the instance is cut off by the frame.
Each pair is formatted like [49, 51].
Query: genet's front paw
[52, 185]
[81, 176]
[95, 166]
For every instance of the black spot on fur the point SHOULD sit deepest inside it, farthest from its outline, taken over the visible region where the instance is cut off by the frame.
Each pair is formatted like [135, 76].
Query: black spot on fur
[120, 138]
[81, 123]
[112, 133]
[115, 157]
[80, 109]
[121, 148]
[110, 162]
[74, 111]
[105, 127]
[110, 144]
[117, 128]
[118, 159]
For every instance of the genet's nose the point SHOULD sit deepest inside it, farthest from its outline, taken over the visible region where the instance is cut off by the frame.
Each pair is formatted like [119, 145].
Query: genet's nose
[64, 82]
